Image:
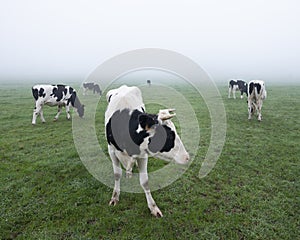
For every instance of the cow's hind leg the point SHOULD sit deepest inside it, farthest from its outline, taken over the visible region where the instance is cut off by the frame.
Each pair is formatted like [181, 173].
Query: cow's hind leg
[142, 164]
[250, 109]
[117, 175]
[37, 111]
[259, 106]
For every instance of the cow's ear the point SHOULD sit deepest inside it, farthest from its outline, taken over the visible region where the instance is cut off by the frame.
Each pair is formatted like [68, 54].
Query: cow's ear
[146, 121]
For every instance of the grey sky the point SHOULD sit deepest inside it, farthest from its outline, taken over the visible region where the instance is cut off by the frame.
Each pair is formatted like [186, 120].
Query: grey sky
[57, 40]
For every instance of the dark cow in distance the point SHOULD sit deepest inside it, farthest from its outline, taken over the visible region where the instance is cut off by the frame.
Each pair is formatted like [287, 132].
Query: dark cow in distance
[55, 95]
[92, 87]
[237, 85]
[133, 135]
[256, 94]
[149, 82]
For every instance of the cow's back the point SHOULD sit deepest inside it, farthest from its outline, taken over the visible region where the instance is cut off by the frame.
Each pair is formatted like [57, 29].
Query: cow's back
[256, 88]
[42, 91]
[121, 98]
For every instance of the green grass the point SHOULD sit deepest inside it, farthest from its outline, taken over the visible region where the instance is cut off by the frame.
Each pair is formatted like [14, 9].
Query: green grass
[252, 193]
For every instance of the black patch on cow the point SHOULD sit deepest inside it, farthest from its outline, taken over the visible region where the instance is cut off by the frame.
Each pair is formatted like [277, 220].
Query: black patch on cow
[258, 87]
[38, 93]
[59, 91]
[35, 93]
[251, 86]
[121, 130]
[97, 89]
[163, 139]
[242, 86]
[75, 102]
[147, 120]
[254, 85]
[71, 90]
[232, 83]
[72, 99]
[42, 92]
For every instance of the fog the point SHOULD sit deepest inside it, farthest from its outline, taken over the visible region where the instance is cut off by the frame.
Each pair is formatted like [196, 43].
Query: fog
[50, 41]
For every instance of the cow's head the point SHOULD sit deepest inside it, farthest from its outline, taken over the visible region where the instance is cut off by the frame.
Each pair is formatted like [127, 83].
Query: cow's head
[166, 143]
[80, 110]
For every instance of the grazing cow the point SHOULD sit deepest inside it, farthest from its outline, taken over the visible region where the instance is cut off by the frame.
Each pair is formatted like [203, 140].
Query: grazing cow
[55, 95]
[132, 135]
[91, 86]
[256, 94]
[149, 82]
[237, 85]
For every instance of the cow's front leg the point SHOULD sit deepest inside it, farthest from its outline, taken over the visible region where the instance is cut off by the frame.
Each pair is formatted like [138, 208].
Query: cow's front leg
[117, 175]
[229, 91]
[142, 164]
[58, 112]
[42, 116]
[68, 112]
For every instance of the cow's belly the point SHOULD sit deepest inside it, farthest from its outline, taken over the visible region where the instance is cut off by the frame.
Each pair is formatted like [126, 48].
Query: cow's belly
[235, 87]
[52, 102]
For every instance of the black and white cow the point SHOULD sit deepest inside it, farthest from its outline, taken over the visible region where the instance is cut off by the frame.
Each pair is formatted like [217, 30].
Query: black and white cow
[237, 85]
[55, 95]
[256, 94]
[91, 86]
[149, 82]
[133, 135]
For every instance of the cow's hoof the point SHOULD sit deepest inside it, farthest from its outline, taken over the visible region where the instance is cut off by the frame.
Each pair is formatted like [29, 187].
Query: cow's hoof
[156, 212]
[113, 202]
[55, 119]
[128, 174]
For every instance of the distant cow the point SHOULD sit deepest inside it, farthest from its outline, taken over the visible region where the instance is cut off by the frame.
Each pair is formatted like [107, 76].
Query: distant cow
[132, 135]
[256, 94]
[55, 95]
[237, 85]
[91, 86]
[149, 82]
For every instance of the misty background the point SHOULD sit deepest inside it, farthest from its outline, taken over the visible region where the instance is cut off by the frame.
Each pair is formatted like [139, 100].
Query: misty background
[61, 41]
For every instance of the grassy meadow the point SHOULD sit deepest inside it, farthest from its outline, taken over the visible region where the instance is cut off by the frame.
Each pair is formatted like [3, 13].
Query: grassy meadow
[253, 192]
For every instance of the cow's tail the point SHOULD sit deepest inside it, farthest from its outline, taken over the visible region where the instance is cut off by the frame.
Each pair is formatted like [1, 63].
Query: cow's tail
[255, 91]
